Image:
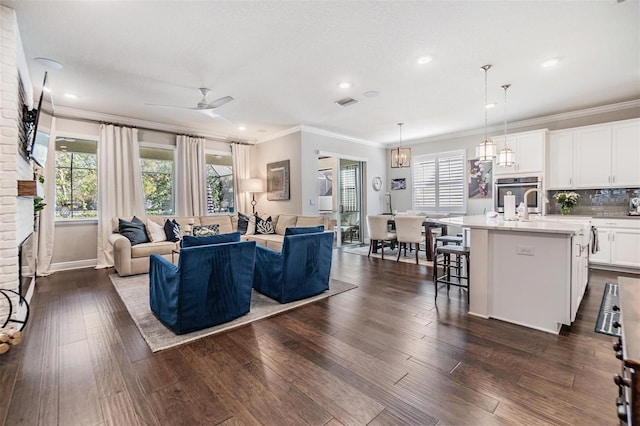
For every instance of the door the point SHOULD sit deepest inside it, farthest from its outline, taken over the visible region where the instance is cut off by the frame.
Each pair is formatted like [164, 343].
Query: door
[560, 172]
[603, 255]
[624, 247]
[625, 153]
[592, 159]
[349, 215]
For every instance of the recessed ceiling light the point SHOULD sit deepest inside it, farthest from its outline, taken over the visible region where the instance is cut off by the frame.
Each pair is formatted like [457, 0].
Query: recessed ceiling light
[424, 60]
[49, 63]
[550, 63]
[344, 85]
[70, 96]
[489, 106]
[371, 94]
[242, 128]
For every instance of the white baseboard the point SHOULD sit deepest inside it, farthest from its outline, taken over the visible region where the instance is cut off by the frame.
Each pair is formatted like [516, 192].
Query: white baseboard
[76, 264]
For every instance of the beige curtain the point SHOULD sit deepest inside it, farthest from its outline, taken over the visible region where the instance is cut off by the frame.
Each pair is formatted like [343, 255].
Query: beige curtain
[241, 170]
[46, 220]
[191, 190]
[120, 191]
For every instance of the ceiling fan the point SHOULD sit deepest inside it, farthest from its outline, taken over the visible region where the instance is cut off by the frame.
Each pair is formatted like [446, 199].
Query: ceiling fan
[204, 104]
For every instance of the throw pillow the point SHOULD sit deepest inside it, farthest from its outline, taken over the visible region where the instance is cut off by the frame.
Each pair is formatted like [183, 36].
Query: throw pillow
[264, 226]
[189, 241]
[172, 230]
[205, 230]
[155, 231]
[246, 224]
[303, 230]
[134, 231]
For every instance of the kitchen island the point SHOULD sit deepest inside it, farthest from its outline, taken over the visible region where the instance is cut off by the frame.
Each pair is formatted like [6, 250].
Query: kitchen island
[530, 273]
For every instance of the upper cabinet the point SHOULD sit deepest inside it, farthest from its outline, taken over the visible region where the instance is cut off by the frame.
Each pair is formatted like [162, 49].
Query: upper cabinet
[599, 156]
[529, 149]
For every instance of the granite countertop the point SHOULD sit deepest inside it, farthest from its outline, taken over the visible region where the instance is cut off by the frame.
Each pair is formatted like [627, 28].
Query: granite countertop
[551, 225]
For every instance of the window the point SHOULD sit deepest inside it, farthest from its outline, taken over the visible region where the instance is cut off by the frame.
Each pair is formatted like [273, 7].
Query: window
[438, 182]
[157, 180]
[76, 178]
[219, 183]
[348, 188]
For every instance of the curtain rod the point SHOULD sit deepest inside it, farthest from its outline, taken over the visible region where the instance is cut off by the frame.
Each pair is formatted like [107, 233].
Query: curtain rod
[90, 120]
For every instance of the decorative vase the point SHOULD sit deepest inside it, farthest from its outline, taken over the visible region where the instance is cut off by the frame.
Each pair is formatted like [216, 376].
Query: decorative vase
[565, 210]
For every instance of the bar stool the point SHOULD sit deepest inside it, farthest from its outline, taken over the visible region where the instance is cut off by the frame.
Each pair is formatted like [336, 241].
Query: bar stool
[452, 272]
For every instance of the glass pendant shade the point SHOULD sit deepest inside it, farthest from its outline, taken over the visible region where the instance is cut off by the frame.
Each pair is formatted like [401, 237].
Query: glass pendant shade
[506, 157]
[486, 151]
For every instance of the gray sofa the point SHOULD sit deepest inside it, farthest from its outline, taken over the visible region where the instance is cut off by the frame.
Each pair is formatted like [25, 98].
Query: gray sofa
[131, 260]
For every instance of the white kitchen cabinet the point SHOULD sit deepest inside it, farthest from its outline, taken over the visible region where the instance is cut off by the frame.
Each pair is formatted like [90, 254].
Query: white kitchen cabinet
[601, 156]
[529, 149]
[619, 242]
[560, 160]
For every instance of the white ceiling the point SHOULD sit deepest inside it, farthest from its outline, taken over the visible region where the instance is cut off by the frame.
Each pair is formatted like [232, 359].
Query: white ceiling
[282, 61]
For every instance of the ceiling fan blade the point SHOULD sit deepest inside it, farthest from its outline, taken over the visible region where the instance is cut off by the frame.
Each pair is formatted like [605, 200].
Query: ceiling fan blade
[170, 106]
[219, 102]
[218, 116]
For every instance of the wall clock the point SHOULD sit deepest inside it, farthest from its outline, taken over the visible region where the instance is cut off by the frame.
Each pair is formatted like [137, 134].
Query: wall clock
[377, 183]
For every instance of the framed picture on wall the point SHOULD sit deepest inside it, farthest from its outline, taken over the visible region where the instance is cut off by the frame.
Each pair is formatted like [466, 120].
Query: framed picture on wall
[399, 183]
[278, 181]
[480, 179]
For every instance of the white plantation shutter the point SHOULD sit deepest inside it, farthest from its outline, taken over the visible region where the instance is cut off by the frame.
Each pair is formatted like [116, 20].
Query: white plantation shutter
[438, 182]
[348, 188]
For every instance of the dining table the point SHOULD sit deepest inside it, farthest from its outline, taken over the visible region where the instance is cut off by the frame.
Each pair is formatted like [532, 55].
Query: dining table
[428, 226]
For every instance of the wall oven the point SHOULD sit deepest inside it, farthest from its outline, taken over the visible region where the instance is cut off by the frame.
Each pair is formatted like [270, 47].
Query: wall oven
[518, 186]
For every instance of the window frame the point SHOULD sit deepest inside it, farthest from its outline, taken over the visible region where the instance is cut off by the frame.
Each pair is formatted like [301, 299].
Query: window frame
[174, 184]
[436, 157]
[82, 136]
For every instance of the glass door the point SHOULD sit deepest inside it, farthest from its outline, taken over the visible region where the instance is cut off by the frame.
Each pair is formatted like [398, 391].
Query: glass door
[349, 212]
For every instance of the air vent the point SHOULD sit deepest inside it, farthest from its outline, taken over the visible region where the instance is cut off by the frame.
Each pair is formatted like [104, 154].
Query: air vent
[346, 102]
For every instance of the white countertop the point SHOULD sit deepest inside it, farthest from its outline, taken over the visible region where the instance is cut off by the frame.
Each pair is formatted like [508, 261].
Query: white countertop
[498, 223]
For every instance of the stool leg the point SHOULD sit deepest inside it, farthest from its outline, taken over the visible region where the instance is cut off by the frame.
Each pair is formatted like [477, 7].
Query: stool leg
[468, 280]
[399, 251]
[447, 261]
[435, 274]
[382, 248]
[417, 250]
[370, 247]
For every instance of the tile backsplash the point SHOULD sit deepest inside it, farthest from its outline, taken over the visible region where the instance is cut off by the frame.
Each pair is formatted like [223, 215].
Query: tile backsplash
[597, 202]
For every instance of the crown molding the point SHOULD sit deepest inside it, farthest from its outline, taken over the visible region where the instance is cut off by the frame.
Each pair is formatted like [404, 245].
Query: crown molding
[78, 114]
[319, 132]
[621, 106]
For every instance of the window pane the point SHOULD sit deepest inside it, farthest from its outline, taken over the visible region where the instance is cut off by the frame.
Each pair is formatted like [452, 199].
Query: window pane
[219, 183]
[157, 180]
[76, 178]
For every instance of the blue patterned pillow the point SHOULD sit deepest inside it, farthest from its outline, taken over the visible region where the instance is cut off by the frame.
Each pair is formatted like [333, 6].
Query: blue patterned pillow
[264, 226]
[303, 230]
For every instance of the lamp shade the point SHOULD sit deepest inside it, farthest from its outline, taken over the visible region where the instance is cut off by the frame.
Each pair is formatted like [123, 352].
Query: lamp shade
[252, 185]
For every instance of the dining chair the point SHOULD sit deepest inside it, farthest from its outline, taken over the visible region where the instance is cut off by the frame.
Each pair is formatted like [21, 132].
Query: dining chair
[378, 226]
[409, 231]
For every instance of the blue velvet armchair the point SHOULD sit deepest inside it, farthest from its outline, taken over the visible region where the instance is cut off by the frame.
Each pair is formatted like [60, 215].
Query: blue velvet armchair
[299, 271]
[210, 285]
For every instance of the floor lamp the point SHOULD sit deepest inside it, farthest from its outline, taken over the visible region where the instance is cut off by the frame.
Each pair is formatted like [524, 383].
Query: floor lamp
[252, 185]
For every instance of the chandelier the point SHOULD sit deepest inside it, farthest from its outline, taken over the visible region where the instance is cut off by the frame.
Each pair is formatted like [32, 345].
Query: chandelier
[486, 151]
[400, 156]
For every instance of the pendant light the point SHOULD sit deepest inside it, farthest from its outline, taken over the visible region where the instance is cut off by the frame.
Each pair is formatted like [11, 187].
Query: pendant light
[506, 157]
[486, 151]
[400, 157]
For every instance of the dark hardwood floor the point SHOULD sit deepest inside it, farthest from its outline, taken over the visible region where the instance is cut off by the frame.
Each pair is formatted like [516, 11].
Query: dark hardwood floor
[380, 354]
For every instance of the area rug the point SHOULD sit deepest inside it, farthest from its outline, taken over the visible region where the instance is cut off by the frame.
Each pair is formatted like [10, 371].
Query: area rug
[392, 255]
[134, 292]
[607, 315]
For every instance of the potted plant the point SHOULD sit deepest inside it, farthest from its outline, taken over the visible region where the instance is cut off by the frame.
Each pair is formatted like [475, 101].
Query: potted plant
[566, 201]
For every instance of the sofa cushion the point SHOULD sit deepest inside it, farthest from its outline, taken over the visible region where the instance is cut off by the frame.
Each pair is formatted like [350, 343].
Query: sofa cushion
[172, 230]
[189, 241]
[303, 230]
[205, 230]
[147, 249]
[155, 231]
[304, 221]
[285, 221]
[135, 231]
[264, 226]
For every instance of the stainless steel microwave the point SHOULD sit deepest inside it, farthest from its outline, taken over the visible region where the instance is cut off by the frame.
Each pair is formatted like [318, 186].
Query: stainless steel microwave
[518, 186]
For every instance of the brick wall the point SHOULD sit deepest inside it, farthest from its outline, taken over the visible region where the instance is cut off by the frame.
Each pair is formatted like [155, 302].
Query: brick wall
[8, 149]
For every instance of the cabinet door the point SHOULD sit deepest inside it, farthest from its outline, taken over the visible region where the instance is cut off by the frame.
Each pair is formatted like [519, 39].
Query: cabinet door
[625, 152]
[530, 153]
[592, 157]
[625, 247]
[603, 256]
[560, 166]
